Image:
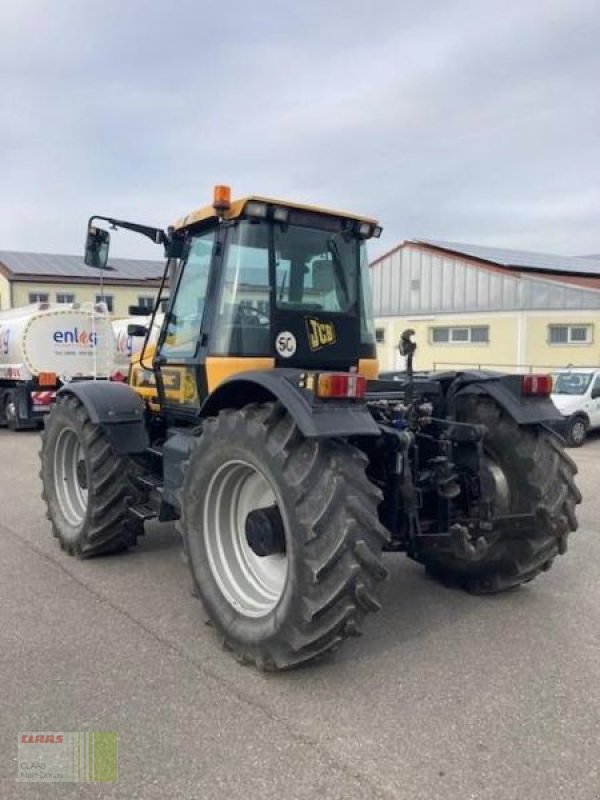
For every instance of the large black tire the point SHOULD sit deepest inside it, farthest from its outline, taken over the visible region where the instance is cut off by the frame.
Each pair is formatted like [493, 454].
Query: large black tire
[540, 480]
[92, 519]
[333, 538]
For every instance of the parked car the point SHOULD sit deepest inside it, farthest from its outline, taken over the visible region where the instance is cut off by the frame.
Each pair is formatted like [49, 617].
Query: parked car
[576, 394]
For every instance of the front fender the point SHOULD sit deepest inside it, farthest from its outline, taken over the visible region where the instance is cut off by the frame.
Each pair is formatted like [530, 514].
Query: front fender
[316, 419]
[116, 409]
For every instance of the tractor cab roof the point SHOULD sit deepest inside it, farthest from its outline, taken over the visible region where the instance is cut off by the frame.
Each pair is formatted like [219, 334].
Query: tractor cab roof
[236, 209]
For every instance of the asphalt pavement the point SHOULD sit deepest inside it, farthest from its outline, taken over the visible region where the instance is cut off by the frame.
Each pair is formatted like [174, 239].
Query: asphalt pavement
[445, 696]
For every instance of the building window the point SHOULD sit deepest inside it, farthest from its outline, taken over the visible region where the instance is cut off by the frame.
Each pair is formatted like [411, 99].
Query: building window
[107, 299]
[65, 297]
[146, 302]
[569, 334]
[38, 297]
[472, 334]
[380, 335]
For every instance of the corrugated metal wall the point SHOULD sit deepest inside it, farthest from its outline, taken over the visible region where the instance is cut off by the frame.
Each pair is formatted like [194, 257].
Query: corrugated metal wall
[416, 281]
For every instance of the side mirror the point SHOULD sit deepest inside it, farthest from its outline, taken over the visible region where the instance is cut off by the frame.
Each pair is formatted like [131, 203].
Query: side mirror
[137, 330]
[595, 392]
[97, 243]
[139, 311]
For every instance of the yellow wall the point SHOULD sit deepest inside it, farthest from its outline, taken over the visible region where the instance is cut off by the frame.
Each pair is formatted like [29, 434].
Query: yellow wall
[515, 338]
[501, 349]
[123, 296]
[538, 350]
[4, 293]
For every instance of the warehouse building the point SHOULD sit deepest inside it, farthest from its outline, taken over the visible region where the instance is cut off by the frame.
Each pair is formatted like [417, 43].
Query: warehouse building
[484, 306]
[42, 277]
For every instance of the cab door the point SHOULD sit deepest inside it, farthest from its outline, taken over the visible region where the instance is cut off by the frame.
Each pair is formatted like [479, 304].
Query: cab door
[182, 388]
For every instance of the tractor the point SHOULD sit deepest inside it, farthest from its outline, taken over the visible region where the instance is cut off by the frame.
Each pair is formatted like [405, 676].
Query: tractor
[255, 420]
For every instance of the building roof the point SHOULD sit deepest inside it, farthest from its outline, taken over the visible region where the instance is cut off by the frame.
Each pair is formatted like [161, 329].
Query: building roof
[520, 259]
[66, 269]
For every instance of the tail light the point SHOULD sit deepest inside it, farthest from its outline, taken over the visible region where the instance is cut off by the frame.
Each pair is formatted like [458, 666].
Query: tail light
[47, 379]
[538, 385]
[332, 385]
[118, 377]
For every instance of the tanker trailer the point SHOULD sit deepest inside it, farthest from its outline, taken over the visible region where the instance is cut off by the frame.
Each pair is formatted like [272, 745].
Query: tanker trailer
[42, 347]
[129, 341]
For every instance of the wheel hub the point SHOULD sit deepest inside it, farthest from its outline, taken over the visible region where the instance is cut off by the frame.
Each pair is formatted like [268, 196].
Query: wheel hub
[264, 531]
[81, 473]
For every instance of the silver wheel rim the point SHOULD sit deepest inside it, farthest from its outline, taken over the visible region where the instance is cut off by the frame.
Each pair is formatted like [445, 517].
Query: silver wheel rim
[578, 432]
[251, 584]
[68, 459]
[497, 477]
[10, 411]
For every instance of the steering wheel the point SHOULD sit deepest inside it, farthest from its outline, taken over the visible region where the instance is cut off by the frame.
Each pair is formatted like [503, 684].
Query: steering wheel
[249, 315]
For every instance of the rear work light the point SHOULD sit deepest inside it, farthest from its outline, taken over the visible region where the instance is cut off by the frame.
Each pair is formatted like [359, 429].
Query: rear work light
[331, 385]
[539, 385]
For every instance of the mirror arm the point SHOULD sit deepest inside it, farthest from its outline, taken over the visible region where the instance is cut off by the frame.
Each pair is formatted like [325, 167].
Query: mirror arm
[157, 235]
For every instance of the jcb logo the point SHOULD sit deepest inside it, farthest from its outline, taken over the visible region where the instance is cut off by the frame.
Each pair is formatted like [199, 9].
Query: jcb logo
[320, 334]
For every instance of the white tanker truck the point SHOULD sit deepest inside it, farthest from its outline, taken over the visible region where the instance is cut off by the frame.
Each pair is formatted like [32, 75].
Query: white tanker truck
[127, 344]
[43, 346]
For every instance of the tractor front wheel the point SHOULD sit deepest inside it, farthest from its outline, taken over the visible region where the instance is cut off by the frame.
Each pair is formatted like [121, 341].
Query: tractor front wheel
[86, 484]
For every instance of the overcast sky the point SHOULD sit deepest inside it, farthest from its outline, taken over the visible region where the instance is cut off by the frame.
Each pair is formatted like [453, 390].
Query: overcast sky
[465, 121]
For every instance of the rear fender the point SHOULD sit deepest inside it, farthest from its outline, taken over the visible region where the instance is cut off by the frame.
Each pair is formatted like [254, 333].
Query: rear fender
[117, 409]
[315, 419]
[506, 391]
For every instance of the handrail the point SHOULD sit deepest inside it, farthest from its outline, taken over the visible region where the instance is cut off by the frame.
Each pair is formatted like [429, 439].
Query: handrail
[530, 368]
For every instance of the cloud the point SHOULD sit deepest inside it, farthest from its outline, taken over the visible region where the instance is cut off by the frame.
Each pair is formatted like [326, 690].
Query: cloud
[468, 121]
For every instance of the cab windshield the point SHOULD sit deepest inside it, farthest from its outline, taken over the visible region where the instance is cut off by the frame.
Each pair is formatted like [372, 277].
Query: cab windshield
[571, 382]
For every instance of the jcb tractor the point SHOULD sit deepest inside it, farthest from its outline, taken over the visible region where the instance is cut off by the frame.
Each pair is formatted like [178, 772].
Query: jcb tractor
[257, 422]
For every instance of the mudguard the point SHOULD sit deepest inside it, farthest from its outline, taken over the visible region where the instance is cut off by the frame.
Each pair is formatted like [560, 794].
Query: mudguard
[506, 391]
[117, 409]
[316, 419]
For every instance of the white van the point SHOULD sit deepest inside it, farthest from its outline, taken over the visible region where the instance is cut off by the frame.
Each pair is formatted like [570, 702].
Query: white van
[576, 394]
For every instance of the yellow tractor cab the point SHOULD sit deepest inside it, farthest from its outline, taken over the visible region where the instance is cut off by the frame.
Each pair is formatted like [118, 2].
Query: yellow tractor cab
[289, 286]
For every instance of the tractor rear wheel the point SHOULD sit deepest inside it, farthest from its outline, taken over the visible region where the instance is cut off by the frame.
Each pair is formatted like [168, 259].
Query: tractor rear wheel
[86, 484]
[531, 474]
[282, 535]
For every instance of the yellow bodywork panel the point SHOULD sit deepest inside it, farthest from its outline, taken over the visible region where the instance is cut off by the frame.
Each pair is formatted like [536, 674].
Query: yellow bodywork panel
[368, 368]
[179, 382]
[237, 207]
[218, 368]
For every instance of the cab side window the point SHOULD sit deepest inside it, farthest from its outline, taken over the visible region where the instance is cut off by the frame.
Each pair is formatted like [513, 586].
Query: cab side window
[185, 319]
